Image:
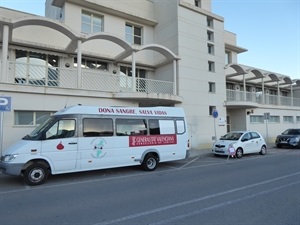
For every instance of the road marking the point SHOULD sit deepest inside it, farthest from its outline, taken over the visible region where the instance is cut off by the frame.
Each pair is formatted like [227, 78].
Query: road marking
[189, 162]
[145, 213]
[197, 212]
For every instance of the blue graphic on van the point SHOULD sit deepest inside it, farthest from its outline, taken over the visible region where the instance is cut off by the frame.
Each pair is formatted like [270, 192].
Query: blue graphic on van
[98, 145]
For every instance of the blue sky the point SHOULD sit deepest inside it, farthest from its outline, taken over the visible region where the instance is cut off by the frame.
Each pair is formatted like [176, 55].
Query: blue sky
[269, 29]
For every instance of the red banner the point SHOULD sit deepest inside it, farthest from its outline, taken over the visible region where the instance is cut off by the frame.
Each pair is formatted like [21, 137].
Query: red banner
[148, 140]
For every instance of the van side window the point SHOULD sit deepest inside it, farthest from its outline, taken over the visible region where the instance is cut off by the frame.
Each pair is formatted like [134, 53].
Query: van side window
[180, 126]
[161, 126]
[126, 127]
[61, 129]
[154, 127]
[94, 127]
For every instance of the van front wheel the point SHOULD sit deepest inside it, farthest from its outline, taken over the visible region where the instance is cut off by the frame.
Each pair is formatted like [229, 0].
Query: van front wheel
[149, 163]
[35, 174]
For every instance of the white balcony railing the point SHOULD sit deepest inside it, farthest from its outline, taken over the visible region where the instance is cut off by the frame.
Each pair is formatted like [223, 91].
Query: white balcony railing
[232, 95]
[96, 80]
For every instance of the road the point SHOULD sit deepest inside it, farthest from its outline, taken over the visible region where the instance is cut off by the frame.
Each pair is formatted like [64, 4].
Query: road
[199, 190]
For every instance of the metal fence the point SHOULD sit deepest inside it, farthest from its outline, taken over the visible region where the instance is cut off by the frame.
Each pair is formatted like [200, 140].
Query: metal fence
[232, 95]
[28, 74]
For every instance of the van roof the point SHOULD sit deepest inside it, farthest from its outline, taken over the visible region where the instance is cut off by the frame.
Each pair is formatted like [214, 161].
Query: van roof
[125, 111]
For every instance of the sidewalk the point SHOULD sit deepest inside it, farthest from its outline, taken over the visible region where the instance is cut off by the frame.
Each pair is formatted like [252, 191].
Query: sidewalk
[198, 152]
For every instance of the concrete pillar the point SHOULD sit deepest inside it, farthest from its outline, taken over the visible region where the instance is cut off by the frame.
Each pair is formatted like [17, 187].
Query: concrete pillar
[79, 59]
[4, 75]
[175, 77]
[133, 73]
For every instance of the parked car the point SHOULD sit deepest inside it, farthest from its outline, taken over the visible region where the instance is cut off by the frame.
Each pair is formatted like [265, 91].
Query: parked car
[239, 143]
[289, 138]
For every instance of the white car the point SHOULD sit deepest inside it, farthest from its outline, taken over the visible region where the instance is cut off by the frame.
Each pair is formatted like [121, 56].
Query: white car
[238, 143]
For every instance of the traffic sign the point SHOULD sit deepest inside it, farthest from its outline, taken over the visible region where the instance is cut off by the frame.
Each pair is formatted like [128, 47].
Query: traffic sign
[5, 104]
[215, 113]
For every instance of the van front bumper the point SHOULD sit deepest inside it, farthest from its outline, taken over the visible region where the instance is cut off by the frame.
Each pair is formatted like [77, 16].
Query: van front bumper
[11, 168]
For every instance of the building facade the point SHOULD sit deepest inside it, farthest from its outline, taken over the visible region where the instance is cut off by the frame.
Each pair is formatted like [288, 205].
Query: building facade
[138, 53]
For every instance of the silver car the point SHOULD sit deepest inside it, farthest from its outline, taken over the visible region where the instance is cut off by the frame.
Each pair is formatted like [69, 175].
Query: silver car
[238, 143]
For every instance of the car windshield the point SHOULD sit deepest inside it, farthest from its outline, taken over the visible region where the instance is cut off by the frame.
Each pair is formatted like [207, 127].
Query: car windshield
[39, 129]
[292, 132]
[232, 136]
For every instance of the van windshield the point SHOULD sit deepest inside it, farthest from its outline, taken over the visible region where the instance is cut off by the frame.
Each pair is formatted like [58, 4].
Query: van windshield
[35, 134]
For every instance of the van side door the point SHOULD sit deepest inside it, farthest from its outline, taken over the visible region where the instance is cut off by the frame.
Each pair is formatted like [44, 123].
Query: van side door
[60, 145]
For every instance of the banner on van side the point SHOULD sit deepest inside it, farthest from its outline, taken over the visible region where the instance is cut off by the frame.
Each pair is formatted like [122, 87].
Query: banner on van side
[165, 139]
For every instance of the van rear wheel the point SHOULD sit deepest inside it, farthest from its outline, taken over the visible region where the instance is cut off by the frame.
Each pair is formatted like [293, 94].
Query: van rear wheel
[149, 163]
[35, 174]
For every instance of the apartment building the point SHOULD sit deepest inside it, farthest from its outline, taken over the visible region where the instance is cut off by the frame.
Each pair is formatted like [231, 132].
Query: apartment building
[138, 53]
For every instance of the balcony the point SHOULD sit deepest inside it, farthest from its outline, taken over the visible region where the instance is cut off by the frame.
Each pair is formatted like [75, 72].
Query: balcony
[250, 99]
[97, 81]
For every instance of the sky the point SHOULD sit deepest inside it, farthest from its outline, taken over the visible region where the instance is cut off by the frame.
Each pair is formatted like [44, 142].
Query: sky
[269, 29]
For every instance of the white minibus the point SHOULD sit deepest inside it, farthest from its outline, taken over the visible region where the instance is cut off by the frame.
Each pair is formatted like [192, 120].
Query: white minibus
[83, 138]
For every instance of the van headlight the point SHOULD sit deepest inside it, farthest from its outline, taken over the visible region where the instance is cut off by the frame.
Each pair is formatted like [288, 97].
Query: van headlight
[8, 158]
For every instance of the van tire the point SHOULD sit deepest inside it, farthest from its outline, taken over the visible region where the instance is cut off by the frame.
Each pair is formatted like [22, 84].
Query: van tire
[35, 174]
[150, 162]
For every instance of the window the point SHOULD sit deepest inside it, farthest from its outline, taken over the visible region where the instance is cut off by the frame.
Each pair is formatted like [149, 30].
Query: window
[211, 109]
[92, 64]
[91, 23]
[30, 118]
[198, 3]
[36, 68]
[125, 81]
[211, 87]
[288, 119]
[274, 119]
[126, 127]
[228, 57]
[211, 66]
[298, 119]
[256, 119]
[95, 127]
[161, 127]
[133, 34]
[210, 22]
[210, 35]
[64, 128]
[211, 49]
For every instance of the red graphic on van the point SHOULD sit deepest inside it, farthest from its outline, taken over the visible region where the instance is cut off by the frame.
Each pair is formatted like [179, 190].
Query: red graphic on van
[148, 140]
[60, 146]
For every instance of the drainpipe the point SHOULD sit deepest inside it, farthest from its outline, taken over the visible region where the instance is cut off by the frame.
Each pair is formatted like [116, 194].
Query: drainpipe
[133, 73]
[3, 77]
[79, 55]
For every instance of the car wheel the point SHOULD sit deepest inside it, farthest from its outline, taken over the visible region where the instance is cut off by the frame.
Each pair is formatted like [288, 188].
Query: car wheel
[35, 174]
[278, 146]
[263, 150]
[149, 163]
[239, 153]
